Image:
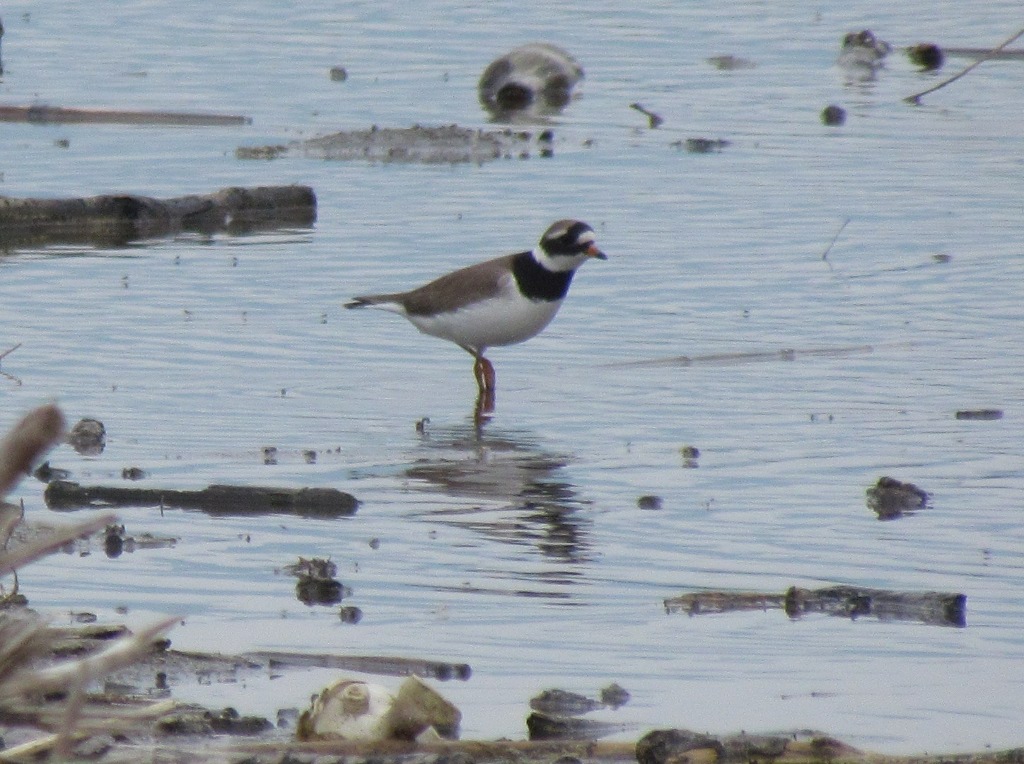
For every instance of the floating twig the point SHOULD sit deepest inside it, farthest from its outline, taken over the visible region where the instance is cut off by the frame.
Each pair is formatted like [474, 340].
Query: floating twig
[9, 350]
[916, 98]
[42, 115]
[3, 373]
[824, 255]
[653, 120]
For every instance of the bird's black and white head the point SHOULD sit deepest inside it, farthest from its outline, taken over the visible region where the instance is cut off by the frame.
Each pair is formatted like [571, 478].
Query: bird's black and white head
[566, 245]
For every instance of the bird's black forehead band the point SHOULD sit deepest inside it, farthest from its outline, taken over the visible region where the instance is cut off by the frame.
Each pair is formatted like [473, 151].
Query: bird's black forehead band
[568, 242]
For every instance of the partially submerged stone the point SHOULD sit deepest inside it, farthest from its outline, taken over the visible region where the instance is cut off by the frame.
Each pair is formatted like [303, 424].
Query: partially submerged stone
[532, 80]
[88, 437]
[889, 498]
[862, 54]
[354, 710]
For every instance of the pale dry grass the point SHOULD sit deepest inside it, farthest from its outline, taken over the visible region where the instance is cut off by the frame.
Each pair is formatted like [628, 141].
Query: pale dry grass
[29, 679]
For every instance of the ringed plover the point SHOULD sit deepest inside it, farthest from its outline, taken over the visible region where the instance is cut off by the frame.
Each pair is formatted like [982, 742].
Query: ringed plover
[497, 302]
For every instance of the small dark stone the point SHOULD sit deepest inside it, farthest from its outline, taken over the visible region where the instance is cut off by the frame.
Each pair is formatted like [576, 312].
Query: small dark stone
[338, 74]
[184, 723]
[889, 498]
[546, 727]
[88, 437]
[563, 702]
[927, 55]
[350, 614]
[705, 145]
[614, 695]
[314, 591]
[132, 473]
[113, 541]
[833, 115]
[649, 501]
[665, 746]
[45, 473]
[229, 721]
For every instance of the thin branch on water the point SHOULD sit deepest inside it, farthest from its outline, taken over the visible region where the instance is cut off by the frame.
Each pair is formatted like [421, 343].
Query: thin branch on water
[824, 255]
[916, 99]
[9, 350]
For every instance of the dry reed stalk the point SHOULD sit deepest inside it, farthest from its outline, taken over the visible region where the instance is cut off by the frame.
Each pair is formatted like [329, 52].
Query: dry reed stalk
[39, 431]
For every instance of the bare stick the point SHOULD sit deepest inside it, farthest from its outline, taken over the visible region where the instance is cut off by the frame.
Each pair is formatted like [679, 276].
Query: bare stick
[10, 350]
[824, 255]
[916, 99]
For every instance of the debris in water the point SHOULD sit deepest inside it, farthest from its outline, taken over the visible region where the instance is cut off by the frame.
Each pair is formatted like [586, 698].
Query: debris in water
[889, 498]
[529, 81]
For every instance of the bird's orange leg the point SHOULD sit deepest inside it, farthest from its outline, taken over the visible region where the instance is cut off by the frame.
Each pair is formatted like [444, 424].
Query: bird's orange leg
[483, 370]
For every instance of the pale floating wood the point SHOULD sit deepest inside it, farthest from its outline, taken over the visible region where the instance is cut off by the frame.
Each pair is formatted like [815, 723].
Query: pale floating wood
[213, 500]
[116, 219]
[42, 114]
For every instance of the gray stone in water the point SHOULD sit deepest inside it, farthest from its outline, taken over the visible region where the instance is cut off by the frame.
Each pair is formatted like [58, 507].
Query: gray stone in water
[534, 79]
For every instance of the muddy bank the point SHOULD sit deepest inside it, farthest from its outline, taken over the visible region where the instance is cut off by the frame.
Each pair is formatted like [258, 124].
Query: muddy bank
[449, 144]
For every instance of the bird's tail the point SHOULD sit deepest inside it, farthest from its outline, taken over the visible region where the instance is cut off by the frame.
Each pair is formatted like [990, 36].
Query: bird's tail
[365, 301]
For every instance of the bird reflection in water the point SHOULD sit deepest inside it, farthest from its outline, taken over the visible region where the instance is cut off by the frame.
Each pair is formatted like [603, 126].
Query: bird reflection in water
[536, 506]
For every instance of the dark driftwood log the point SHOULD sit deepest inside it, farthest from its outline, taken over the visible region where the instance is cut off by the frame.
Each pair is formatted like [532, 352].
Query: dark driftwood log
[43, 115]
[933, 608]
[120, 218]
[367, 664]
[214, 499]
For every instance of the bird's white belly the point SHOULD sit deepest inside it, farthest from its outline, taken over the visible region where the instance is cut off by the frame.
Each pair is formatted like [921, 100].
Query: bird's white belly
[502, 321]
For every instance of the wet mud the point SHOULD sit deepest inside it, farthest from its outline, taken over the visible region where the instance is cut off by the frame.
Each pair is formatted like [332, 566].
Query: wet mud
[450, 144]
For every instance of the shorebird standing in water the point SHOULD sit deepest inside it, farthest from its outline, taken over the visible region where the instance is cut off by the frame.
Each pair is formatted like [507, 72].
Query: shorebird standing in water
[502, 301]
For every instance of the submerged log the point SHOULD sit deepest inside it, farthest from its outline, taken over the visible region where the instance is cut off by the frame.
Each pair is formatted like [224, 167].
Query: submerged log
[116, 219]
[214, 499]
[44, 115]
[932, 608]
[366, 664]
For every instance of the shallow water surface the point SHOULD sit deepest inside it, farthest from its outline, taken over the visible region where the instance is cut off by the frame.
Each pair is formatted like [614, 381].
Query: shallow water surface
[520, 548]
